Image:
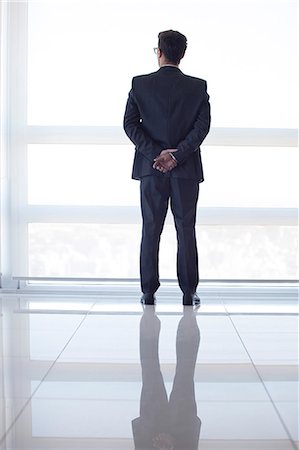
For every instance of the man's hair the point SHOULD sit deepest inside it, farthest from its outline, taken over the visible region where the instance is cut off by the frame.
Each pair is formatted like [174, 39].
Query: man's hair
[173, 45]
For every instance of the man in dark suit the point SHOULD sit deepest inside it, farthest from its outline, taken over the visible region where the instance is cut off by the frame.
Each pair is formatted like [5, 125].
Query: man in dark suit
[167, 117]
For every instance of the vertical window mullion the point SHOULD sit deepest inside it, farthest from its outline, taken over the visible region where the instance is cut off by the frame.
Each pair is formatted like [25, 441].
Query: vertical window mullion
[18, 35]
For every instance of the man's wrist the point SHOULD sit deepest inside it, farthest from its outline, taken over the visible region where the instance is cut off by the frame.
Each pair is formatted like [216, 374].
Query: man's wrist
[173, 157]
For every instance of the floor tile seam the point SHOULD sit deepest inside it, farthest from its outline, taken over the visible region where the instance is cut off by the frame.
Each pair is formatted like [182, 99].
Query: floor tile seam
[94, 400]
[84, 311]
[2, 439]
[264, 385]
[266, 332]
[200, 312]
[272, 314]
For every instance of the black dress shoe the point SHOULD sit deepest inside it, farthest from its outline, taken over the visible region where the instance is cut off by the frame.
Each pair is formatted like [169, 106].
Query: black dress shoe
[191, 299]
[148, 299]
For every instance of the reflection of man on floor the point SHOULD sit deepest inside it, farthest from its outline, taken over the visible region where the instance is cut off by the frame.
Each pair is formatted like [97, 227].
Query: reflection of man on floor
[167, 424]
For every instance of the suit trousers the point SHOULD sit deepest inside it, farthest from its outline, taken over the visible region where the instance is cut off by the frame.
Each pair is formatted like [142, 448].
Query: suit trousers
[156, 192]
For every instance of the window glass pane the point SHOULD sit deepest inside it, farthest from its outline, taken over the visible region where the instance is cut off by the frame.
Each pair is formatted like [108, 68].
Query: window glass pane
[112, 251]
[82, 55]
[263, 177]
[83, 250]
[81, 175]
[248, 252]
[101, 175]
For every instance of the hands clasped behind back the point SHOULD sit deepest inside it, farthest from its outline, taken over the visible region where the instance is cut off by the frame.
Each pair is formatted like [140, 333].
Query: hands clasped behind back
[165, 162]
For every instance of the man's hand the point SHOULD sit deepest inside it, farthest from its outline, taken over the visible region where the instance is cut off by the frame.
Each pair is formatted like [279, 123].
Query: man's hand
[164, 441]
[164, 162]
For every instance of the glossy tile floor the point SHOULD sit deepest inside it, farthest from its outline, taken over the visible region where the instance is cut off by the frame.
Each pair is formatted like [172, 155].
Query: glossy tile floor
[101, 372]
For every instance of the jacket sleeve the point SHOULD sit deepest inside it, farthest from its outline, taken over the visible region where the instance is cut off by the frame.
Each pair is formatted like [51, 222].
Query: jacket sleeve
[198, 133]
[133, 128]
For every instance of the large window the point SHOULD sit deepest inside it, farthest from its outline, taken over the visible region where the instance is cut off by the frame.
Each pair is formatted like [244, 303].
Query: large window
[74, 208]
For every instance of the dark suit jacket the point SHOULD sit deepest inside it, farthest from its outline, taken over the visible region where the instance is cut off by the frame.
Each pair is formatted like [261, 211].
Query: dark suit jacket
[168, 109]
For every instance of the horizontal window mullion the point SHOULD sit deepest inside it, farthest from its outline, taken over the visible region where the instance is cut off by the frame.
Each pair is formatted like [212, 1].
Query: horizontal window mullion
[79, 214]
[131, 214]
[75, 135]
[265, 137]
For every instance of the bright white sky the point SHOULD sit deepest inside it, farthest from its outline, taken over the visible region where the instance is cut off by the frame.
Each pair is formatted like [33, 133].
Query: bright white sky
[82, 55]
